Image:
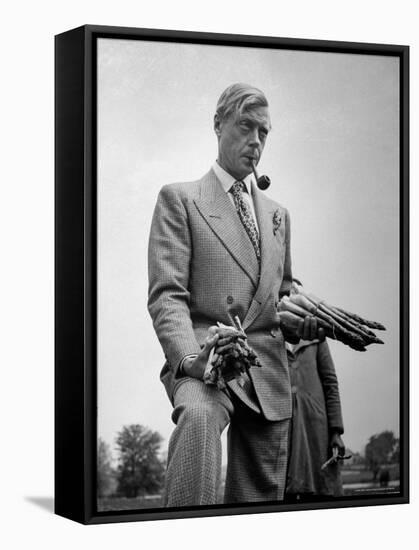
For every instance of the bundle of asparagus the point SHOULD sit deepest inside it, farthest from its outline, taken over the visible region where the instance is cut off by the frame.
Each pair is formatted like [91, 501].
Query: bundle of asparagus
[233, 358]
[338, 324]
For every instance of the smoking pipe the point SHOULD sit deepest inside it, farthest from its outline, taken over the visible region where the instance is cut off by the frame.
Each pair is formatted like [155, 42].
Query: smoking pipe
[263, 182]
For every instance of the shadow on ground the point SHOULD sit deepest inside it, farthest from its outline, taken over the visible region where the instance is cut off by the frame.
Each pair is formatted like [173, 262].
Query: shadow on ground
[47, 503]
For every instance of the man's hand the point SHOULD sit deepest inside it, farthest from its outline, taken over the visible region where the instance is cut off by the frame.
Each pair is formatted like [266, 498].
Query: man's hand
[296, 328]
[195, 367]
[227, 340]
[337, 447]
[337, 442]
[308, 329]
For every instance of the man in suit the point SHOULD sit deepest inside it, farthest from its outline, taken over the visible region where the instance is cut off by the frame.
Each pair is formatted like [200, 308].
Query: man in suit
[219, 248]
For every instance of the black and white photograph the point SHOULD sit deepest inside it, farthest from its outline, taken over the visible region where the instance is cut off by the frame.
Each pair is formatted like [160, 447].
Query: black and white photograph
[248, 275]
[209, 246]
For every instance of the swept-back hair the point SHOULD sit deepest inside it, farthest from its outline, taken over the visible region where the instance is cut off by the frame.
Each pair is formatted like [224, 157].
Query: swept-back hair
[239, 98]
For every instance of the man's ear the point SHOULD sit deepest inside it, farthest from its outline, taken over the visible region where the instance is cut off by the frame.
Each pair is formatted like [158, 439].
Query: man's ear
[217, 125]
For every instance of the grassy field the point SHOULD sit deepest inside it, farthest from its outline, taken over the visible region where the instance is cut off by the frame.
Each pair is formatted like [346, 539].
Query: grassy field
[356, 481]
[358, 474]
[108, 504]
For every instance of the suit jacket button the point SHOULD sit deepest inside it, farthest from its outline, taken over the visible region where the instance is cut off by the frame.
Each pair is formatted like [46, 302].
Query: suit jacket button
[230, 299]
[293, 389]
[273, 332]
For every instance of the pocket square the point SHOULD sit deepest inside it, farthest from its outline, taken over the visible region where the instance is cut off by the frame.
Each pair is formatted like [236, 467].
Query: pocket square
[276, 220]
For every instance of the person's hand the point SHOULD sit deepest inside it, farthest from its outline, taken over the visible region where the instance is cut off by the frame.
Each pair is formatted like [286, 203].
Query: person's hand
[227, 339]
[195, 366]
[295, 329]
[337, 442]
[308, 329]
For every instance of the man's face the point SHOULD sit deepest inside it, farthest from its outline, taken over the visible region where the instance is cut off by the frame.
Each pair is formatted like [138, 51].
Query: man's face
[241, 139]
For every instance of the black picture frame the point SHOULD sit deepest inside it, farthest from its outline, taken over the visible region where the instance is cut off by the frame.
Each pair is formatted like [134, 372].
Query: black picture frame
[76, 265]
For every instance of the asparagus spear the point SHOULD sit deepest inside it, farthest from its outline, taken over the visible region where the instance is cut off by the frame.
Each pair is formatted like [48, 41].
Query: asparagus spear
[356, 322]
[368, 335]
[236, 358]
[321, 307]
[336, 323]
[332, 328]
[358, 319]
[352, 316]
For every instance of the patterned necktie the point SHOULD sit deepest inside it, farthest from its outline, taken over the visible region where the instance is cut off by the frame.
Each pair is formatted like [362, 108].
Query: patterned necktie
[245, 215]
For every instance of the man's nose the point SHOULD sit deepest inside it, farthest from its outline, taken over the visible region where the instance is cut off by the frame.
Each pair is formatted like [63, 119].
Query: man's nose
[254, 138]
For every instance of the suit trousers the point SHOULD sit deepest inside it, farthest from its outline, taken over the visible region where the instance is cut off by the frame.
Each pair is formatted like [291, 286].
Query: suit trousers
[257, 449]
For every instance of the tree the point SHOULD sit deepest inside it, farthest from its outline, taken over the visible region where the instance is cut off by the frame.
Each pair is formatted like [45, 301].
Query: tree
[140, 470]
[105, 472]
[380, 450]
[395, 457]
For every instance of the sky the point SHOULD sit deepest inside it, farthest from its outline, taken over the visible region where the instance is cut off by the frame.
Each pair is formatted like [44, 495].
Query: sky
[333, 159]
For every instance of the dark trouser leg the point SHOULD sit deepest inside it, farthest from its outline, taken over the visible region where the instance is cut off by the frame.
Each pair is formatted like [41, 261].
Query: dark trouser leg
[257, 458]
[194, 459]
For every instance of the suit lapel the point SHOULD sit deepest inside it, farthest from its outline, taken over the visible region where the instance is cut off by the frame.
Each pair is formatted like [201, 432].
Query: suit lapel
[219, 213]
[270, 248]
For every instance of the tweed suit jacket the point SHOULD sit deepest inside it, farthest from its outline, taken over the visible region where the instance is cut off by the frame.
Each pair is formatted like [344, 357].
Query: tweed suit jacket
[202, 267]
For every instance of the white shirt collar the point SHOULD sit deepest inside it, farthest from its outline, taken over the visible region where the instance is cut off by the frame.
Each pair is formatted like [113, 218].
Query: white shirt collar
[227, 179]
